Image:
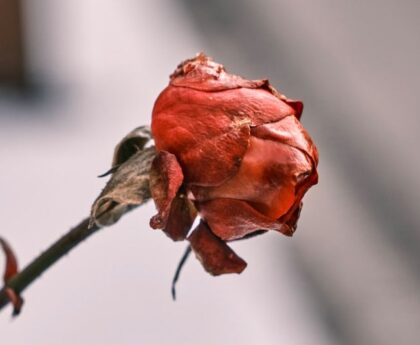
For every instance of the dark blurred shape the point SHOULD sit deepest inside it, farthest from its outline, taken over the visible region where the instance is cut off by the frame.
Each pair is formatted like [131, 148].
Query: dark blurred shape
[12, 65]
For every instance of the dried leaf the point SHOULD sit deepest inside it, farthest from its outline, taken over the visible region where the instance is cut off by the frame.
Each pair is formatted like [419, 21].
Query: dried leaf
[127, 188]
[132, 143]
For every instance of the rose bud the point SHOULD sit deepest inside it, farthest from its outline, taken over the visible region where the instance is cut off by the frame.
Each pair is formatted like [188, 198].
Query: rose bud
[232, 151]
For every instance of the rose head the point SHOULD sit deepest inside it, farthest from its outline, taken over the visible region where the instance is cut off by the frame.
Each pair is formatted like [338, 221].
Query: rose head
[232, 151]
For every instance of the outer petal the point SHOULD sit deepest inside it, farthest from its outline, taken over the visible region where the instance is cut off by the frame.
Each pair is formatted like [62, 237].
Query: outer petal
[288, 131]
[232, 219]
[267, 178]
[212, 128]
[181, 218]
[202, 73]
[296, 105]
[208, 141]
[165, 179]
[127, 188]
[291, 217]
[214, 254]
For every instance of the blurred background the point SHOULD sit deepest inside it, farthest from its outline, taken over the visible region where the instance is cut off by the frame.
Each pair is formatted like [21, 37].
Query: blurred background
[76, 76]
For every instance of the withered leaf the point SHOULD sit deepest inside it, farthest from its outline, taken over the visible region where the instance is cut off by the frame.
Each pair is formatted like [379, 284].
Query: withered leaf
[132, 143]
[127, 188]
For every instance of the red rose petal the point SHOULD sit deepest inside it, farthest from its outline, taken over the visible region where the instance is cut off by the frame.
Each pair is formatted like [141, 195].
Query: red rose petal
[216, 159]
[214, 254]
[165, 179]
[290, 219]
[267, 178]
[232, 219]
[202, 73]
[288, 131]
[181, 218]
[296, 105]
[208, 142]
[207, 131]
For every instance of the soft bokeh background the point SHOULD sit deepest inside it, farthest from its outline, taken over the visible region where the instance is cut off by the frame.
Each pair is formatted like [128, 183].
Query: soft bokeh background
[89, 71]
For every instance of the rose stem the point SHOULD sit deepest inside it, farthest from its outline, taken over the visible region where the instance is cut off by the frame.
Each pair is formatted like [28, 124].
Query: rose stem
[40, 264]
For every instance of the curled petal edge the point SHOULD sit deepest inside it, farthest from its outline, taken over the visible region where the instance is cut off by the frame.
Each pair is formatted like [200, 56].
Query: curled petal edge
[232, 219]
[181, 218]
[214, 254]
[166, 178]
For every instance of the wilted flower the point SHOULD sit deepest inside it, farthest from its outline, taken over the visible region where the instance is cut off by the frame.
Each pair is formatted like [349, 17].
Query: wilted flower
[233, 151]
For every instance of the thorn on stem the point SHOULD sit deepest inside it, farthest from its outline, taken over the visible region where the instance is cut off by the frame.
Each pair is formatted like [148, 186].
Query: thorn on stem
[15, 299]
[10, 271]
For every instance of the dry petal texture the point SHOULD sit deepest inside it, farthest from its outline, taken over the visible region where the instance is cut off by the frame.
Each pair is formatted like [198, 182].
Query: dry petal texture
[233, 149]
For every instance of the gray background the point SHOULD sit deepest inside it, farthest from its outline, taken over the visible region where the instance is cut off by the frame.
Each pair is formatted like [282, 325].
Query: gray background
[351, 273]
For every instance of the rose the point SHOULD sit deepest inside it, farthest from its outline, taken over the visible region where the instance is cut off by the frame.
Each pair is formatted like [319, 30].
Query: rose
[232, 150]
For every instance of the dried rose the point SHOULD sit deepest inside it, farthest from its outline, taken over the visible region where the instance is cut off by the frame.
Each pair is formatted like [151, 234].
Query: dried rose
[232, 150]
